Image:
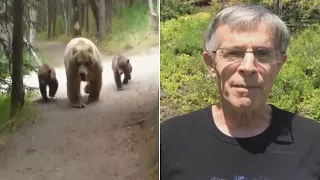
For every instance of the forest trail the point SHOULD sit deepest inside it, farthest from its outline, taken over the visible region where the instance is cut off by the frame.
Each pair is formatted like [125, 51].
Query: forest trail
[114, 138]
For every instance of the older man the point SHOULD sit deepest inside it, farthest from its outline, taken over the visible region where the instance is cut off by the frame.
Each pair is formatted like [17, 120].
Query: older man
[242, 137]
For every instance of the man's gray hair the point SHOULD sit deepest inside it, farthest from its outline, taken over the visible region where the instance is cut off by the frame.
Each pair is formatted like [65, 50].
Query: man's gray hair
[242, 17]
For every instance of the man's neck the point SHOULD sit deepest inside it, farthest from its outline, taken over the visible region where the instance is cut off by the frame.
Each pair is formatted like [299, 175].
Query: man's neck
[242, 124]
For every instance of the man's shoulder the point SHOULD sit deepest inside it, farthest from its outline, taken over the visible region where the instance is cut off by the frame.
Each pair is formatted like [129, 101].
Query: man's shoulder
[299, 122]
[305, 124]
[185, 120]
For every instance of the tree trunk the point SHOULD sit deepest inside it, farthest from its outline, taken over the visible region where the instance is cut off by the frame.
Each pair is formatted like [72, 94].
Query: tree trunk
[33, 31]
[54, 17]
[95, 12]
[86, 16]
[76, 19]
[280, 7]
[129, 3]
[41, 16]
[102, 19]
[17, 93]
[154, 17]
[64, 17]
[117, 7]
[49, 13]
[69, 15]
[82, 14]
[108, 17]
[46, 13]
[277, 6]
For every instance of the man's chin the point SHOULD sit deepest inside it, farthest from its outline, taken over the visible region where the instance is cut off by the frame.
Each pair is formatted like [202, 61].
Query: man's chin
[244, 104]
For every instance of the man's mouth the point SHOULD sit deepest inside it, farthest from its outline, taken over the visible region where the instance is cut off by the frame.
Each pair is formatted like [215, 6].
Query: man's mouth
[246, 86]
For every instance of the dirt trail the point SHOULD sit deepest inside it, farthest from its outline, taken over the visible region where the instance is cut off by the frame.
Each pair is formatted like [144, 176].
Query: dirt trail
[111, 139]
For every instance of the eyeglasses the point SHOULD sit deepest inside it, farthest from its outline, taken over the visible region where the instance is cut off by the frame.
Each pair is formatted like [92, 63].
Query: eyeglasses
[263, 55]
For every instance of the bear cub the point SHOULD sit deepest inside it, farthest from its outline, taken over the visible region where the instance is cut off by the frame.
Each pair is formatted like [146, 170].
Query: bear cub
[47, 78]
[121, 65]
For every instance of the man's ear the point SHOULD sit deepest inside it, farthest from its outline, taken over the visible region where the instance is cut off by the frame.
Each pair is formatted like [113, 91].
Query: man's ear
[209, 60]
[283, 60]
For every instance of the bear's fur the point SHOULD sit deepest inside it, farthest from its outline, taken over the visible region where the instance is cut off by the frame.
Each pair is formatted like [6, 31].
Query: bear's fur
[47, 77]
[82, 63]
[121, 65]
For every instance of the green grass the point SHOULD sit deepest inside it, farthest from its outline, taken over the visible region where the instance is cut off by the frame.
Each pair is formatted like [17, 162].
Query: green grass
[9, 124]
[4, 109]
[130, 32]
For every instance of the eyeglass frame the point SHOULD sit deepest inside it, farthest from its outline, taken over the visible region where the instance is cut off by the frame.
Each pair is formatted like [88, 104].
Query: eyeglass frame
[252, 51]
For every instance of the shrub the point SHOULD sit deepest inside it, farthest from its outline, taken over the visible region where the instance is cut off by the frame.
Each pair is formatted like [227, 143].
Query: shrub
[304, 53]
[310, 107]
[297, 11]
[185, 35]
[184, 78]
[172, 9]
[184, 82]
[290, 88]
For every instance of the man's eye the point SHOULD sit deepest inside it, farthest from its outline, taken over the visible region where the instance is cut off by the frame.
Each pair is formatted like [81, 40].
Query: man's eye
[263, 52]
[234, 53]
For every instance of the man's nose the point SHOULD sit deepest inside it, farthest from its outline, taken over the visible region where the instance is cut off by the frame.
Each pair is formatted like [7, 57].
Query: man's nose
[248, 64]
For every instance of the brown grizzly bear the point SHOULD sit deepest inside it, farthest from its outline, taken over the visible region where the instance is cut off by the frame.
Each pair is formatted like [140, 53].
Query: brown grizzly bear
[47, 77]
[121, 65]
[82, 63]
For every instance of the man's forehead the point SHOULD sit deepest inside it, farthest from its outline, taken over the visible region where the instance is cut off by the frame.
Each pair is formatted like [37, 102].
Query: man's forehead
[258, 36]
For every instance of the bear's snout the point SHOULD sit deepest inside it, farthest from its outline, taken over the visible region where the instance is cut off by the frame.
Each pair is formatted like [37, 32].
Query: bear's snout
[83, 76]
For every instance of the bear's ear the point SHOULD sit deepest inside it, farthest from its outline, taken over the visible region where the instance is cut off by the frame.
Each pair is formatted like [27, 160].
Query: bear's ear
[128, 60]
[74, 51]
[90, 49]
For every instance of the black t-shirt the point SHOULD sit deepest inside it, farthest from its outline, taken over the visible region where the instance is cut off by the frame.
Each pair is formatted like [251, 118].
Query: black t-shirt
[193, 148]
